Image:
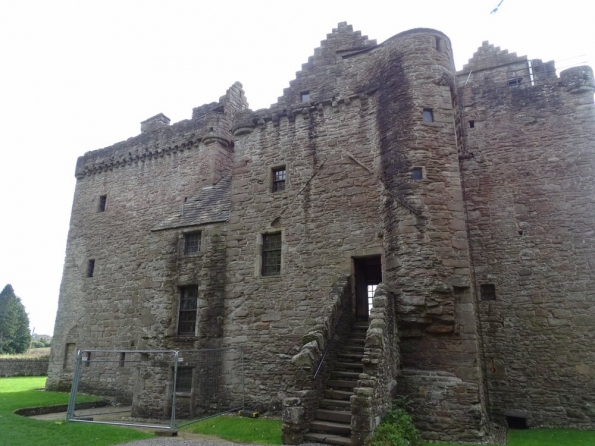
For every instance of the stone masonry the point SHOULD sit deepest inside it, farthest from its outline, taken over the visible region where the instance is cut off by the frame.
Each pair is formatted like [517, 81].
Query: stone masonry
[475, 192]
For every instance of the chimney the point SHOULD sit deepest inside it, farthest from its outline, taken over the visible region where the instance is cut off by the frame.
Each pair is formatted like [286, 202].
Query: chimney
[154, 123]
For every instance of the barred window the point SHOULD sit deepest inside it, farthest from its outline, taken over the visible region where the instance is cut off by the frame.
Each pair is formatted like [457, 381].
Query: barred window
[184, 380]
[90, 267]
[187, 313]
[192, 243]
[102, 203]
[278, 179]
[271, 254]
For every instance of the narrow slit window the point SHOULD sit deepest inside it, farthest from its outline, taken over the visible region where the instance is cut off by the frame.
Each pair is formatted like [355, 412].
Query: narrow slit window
[278, 179]
[122, 359]
[192, 243]
[472, 124]
[427, 115]
[488, 291]
[184, 380]
[187, 312]
[417, 174]
[87, 359]
[438, 44]
[102, 203]
[90, 267]
[271, 254]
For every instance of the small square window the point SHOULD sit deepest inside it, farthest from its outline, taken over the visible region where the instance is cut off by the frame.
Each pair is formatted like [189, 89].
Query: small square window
[278, 179]
[102, 203]
[488, 291]
[187, 312]
[417, 173]
[184, 380]
[271, 254]
[192, 243]
[305, 96]
[90, 267]
[427, 115]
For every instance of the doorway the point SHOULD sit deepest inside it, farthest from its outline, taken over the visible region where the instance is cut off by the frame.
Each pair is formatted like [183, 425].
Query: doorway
[368, 274]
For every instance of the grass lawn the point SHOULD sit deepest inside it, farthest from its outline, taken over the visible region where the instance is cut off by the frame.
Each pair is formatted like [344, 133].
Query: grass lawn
[15, 430]
[546, 437]
[244, 430]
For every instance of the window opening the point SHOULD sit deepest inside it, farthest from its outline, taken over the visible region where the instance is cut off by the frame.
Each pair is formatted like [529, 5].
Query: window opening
[427, 115]
[271, 254]
[472, 124]
[192, 243]
[87, 359]
[371, 291]
[122, 359]
[516, 422]
[488, 291]
[102, 203]
[68, 355]
[279, 179]
[305, 96]
[90, 267]
[438, 44]
[514, 78]
[184, 380]
[187, 313]
[417, 173]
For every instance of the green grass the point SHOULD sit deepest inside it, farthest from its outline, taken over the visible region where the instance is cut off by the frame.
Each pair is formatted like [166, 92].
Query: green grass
[15, 430]
[243, 430]
[546, 437]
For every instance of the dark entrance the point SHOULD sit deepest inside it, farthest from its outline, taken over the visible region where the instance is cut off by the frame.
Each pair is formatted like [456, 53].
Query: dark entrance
[368, 274]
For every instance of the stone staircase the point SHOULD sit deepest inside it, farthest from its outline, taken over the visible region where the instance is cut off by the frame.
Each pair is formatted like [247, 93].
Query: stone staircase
[332, 421]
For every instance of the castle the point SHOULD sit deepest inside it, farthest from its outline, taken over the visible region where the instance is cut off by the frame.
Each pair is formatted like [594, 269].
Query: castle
[446, 218]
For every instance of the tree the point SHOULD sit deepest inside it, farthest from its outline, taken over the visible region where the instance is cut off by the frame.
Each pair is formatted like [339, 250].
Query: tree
[15, 336]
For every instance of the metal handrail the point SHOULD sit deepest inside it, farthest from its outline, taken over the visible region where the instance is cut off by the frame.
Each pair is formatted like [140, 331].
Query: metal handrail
[329, 344]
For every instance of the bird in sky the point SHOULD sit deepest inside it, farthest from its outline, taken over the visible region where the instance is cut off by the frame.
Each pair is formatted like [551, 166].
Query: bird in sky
[497, 6]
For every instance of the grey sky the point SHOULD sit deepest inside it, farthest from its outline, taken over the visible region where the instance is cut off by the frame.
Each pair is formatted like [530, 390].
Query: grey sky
[81, 75]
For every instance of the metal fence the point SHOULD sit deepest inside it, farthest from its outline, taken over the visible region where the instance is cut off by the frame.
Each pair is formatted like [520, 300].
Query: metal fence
[158, 389]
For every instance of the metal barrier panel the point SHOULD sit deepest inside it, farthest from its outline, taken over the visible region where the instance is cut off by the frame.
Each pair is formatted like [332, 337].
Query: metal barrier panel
[156, 388]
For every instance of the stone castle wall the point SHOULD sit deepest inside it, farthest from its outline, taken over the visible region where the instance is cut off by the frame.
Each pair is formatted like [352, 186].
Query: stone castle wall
[531, 208]
[447, 207]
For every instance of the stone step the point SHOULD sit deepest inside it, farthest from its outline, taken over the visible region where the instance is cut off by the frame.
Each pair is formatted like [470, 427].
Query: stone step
[351, 356]
[349, 366]
[352, 347]
[341, 383]
[357, 341]
[344, 375]
[328, 439]
[340, 416]
[328, 403]
[329, 426]
[335, 394]
[362, 324]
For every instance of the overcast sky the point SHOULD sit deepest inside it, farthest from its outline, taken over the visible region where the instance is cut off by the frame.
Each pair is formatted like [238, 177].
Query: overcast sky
[81, 75]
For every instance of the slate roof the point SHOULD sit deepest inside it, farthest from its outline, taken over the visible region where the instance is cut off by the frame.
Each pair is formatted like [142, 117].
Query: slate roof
[210, 205]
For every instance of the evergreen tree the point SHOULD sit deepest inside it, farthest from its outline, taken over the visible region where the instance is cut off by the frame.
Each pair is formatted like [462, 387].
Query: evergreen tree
[15, 336]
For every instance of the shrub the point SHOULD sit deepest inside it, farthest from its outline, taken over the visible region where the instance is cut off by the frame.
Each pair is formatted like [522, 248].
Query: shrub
[396, 429]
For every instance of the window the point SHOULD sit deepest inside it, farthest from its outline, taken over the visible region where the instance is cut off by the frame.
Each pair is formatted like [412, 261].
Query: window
[90, 267]
[305, 96]
[271, 254]
[438, 44]
[184, 380]
[514, 78]
[187, 313]
[371, 290]
[102, 203]
[122, 359]
[488, 292]
[87, 359]
[69, 355]
[427, 115]
[192, 243]
[278, 179]
[417, 173]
